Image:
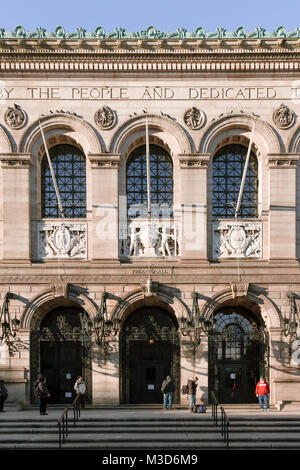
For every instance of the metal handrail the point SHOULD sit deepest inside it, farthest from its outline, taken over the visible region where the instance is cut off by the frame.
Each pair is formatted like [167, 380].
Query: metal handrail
[63, 424]
[214, 407]
[76, 409]
[225, 426]
[63, 427]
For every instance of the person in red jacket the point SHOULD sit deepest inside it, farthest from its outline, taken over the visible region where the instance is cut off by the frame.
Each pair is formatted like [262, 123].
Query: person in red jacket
[262, 392]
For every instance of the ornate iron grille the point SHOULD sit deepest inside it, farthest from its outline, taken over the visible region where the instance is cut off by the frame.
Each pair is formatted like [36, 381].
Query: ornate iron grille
[60, 326]
[161, 173]
[70, 171]
[237, 338]
[228, 166]
[144, 325]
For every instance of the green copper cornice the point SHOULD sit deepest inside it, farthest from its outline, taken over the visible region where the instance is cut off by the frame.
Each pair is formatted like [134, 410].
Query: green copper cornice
[150, 33]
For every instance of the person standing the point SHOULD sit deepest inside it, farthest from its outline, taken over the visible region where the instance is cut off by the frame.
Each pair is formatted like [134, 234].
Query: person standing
[80, 389]
[192, 386]
[3, 395]
[262, 392]
[43, 394]
[168, 389]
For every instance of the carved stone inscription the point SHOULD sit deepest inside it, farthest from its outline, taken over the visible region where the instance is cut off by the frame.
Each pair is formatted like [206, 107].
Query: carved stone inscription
[199, 92]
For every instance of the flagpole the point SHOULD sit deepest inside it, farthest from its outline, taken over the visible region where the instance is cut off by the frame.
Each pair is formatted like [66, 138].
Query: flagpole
[148, 171]
[244, 173]
[60, 208]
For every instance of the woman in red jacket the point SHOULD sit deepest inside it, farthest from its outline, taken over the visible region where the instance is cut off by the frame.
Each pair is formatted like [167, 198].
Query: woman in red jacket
[262, 392]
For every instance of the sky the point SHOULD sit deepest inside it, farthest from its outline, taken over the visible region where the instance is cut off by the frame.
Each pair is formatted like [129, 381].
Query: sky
[136, 15]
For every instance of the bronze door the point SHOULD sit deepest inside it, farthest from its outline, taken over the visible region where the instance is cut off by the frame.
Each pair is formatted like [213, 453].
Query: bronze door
[149, 352]
[149, 366]
[237, 383]
[61, 364]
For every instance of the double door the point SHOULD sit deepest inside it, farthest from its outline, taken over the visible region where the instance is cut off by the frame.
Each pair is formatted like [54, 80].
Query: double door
[61, 363]
[236, 382]
[150, 364]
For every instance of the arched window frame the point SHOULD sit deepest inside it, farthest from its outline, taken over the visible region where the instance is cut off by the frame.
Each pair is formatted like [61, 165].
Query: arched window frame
[161, 206]
[226, 209]
[75, 212]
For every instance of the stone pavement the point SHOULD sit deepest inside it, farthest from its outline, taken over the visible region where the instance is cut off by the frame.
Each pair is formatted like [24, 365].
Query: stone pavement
[139, 428]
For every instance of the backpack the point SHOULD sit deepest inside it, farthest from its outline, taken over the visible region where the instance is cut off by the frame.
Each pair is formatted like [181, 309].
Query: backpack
[185, 390]
[200, 409]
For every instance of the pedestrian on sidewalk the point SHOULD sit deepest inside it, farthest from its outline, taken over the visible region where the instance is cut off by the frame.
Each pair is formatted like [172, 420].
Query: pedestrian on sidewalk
[3, 395]
[168, 389]
[43, 394]
[192, 386]
[262, 392]
[80, 389]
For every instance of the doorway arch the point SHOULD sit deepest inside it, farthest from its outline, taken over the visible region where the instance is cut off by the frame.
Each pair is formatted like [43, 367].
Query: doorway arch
[59, 352]
[238, 354]
[149, 351]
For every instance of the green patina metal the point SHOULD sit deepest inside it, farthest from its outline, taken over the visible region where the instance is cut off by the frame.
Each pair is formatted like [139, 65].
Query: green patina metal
[150, 33]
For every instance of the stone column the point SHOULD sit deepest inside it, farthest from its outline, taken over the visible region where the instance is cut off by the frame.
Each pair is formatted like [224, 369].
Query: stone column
[282, 206]
[105, 206]
[193, 173]
[16, 207]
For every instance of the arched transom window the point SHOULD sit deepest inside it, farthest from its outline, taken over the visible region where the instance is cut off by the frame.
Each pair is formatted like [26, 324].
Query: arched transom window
[227, 171]
[161, 176]
[69, 166]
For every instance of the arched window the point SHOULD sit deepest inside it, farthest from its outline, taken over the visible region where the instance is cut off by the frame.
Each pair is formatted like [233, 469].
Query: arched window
[69, 167]
[161, 175]
[228, 166]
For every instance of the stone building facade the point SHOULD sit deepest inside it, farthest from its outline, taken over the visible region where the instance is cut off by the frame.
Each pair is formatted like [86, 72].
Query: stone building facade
[193, 291]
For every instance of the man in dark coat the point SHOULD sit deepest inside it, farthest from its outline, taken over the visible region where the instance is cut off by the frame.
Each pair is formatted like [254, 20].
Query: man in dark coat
[43, 393]
[3, 395]
[168, 388]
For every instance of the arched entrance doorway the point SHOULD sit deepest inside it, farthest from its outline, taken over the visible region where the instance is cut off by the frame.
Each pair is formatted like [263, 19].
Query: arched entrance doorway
[238, 354]
[149, 351]
[61, 353]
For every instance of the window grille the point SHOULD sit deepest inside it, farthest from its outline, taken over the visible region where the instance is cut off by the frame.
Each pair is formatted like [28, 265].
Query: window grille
[228, 166]
[161, 173]
[69, 167]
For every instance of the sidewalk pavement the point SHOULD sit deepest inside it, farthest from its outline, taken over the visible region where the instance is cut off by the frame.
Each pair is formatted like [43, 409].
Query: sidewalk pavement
[54, 413]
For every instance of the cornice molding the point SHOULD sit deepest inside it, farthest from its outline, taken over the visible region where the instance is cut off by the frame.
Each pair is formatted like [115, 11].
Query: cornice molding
[105, 160]
[194, 161]
[163, 62]
[15, 160]
[283, 160]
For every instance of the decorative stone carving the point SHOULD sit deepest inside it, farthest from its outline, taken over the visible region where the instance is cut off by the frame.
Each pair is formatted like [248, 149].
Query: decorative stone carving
[194, 118]
[105, 118]
[283, 117]
[150, 288]
[237, 240]
[60, 290]
[194, 161]
[15, 160]
[149, 33]
[239, 289]
[280, 161]
[62, 240]
[15, 117]
[152, 238]
[106, 160]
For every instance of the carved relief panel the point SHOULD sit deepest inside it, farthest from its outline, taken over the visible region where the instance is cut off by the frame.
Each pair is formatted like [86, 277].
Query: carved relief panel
[237, 240]
[62, 240]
